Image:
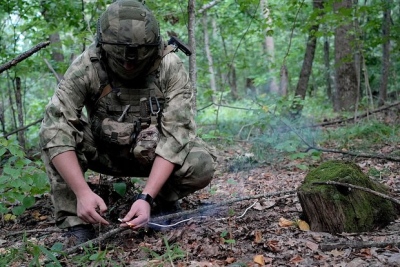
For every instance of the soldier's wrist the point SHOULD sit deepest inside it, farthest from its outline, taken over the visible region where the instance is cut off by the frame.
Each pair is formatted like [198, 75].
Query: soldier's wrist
[146, 197]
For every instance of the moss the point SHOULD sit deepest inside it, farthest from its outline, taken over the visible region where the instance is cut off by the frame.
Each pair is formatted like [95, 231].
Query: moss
[362, 211]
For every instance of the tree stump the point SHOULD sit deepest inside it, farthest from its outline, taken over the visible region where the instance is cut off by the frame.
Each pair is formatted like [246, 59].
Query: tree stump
[336, 209]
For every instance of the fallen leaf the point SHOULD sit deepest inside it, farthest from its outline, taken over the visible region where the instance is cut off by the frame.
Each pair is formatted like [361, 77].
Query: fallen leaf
[296, 259]
[311, 245]
[258, 236]
[316, 237]
[285, 223]
[9, 217]
[267, 203]
[258, 206]
[259, 259]
[273, 245]
[36, 214]
[366, 252]
[319, 257]
[336, 252]
[230, 260]
[268, 260]
[303, 225]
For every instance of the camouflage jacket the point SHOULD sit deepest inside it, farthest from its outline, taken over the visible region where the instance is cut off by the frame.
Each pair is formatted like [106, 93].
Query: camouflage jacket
[61, 129]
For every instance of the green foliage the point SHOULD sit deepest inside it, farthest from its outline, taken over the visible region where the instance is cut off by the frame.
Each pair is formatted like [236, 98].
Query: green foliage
[20, 179]
[31, 253]
[365, 135]
[171, 253]
[274, 135]
[95, 257]
[120, 188]
[226, 239]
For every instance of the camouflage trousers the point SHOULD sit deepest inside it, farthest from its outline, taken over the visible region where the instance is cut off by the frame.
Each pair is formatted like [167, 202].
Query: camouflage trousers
[195, 173]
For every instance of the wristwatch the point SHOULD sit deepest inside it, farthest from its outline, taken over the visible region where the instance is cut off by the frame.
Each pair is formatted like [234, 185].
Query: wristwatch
[146, 197]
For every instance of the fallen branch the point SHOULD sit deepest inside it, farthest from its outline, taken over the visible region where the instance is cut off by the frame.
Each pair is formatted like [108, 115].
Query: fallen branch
[357, 244]
[360, 188]
[359, 116]
[118, 230]
[52, 230]
[23, 56]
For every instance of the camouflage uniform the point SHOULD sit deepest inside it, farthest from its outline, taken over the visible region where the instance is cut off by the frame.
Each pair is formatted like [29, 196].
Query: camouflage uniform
[64, 129]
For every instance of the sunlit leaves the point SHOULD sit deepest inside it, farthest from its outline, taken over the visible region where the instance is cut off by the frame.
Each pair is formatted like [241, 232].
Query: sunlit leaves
[20, 180]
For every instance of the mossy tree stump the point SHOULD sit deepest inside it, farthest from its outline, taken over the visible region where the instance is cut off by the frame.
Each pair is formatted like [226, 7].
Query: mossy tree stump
[336, 209]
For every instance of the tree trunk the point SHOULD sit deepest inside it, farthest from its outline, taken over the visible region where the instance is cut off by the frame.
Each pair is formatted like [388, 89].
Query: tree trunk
[385, 52]
[213, 85]
[269, 48]
[20, 111]
[327, 68]
[218, 73]
[192, 44]
[10, 99]
[284, 80]
[3, 124]
[346, 76]
[233, 82]
[336, 209]
[308, 59]
[57, 54]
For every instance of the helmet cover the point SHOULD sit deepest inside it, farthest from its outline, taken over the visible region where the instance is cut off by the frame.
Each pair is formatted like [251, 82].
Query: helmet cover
[129, 32]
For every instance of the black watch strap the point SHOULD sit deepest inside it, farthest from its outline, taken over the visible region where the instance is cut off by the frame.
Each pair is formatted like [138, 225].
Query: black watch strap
[146, 197]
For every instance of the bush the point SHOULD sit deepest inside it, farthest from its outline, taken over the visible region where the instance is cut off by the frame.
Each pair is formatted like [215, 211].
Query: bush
[20, 179]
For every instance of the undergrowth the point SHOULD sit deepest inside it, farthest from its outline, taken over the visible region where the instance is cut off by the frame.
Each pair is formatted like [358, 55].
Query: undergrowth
[274, 134]
[264, 125]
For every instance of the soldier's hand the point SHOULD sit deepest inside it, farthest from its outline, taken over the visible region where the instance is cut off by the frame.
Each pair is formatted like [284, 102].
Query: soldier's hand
[87, 207]
[138, 216]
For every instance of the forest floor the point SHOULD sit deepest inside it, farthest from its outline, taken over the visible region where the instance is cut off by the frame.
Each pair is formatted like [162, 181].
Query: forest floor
[232, 224]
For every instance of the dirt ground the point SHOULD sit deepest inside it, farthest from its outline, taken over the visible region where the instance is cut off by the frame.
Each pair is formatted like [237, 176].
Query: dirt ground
[232, 226]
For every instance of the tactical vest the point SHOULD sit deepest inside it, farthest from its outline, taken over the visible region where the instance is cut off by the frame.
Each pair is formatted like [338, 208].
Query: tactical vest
[121, 111]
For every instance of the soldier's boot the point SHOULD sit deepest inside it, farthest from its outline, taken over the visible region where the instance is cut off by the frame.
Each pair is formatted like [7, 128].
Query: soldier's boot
[165, 207]
[79, 234]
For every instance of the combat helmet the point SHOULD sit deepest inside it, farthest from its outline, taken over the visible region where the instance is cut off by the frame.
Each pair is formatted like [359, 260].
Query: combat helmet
[128, 33]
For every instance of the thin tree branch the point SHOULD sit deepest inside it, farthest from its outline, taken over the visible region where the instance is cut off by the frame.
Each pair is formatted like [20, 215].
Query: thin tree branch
[52, 70]
[208, 6]
[23, 56]
[357, 244]
[34, 231]
[22, 128]
[359, 116]
[362, 189]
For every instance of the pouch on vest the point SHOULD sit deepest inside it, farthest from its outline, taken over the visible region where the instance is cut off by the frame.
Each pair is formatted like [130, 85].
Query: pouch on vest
[146, 143]
[116, 133]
